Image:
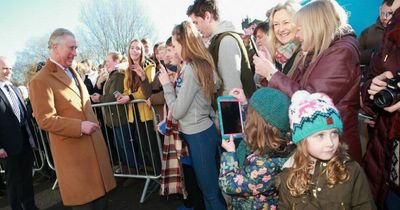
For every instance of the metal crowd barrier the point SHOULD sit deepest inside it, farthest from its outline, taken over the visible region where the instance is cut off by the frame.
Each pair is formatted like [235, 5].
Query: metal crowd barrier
[134, 148]
[38, 153]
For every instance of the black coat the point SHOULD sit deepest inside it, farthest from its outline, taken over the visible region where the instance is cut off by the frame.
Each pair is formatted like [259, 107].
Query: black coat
[11, 137]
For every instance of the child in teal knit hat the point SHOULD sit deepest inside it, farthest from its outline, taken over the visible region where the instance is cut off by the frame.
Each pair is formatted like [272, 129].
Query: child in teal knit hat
[320, 174]
[252, 186]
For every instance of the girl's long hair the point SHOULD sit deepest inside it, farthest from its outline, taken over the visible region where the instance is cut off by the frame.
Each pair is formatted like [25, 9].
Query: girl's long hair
[133, 78]
[261, 136]
[299, 178]
[195, 53]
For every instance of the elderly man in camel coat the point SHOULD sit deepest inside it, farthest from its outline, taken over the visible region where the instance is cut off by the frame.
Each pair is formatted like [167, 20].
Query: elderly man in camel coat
[62, 107]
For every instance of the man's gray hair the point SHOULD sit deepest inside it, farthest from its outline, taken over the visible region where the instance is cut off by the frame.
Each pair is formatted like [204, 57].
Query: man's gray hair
[55, 37]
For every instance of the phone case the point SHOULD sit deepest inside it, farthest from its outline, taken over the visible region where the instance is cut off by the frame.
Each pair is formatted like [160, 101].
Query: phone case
[224, 135]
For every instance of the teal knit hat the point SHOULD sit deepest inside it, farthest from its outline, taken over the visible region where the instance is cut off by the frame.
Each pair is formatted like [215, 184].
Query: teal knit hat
[272, 105]
[310, 113]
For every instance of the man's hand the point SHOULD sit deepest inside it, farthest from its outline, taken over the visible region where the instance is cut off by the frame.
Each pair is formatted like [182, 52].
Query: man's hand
[394, 107]
[3, 153]
[88, 127]
[378, 83]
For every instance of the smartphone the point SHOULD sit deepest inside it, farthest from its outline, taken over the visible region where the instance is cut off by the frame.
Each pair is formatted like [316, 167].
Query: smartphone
[253, 44]
[362, 116]
[163, 63]
[230, 117]
[116, 93]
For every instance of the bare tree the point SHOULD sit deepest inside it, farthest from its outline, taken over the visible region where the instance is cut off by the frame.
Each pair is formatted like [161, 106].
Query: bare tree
[110, 26]
[35, 50]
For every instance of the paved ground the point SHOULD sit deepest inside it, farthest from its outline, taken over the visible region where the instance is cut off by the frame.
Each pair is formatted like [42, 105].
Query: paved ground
[121, 198]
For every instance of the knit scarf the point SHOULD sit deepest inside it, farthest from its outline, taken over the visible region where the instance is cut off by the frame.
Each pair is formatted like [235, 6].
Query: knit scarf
[285, 52]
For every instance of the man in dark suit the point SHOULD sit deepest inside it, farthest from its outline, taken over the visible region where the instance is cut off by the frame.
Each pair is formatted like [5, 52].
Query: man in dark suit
[16, 142]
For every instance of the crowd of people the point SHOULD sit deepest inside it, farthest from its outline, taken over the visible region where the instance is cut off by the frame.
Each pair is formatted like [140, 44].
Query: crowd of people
[302, 87]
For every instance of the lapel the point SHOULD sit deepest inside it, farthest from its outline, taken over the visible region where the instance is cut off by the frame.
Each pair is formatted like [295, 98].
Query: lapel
[60, 75]
[20, 99]
[4, 97]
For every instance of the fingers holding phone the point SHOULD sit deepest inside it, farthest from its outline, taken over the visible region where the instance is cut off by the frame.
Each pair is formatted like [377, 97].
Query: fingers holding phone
[239, 95]
[138, 70]
[230, 117]
[229, 145]
[117, 94]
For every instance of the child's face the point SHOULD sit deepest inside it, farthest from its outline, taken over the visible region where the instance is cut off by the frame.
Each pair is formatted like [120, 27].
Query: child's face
[323, 144]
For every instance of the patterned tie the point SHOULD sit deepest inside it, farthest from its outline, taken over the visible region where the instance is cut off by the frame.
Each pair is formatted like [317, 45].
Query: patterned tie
[14, 102]
[72, 76]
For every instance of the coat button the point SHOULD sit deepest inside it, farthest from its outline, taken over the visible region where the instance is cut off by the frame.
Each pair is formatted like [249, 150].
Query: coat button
[319, 189]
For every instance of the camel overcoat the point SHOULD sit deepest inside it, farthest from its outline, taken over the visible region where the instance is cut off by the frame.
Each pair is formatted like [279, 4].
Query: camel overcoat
[82, 163]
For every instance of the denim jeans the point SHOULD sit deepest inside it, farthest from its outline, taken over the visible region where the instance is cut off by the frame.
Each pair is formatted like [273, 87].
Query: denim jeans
[124, 145]
[203, 149]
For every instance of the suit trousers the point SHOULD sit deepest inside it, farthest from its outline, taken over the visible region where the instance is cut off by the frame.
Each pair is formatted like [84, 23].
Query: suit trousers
[19, 178]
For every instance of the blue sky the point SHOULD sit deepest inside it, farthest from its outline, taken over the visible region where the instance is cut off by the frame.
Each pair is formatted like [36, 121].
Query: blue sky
[22, 20]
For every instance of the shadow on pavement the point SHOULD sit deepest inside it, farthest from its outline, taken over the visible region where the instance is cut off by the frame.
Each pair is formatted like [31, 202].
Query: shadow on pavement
[124, 197]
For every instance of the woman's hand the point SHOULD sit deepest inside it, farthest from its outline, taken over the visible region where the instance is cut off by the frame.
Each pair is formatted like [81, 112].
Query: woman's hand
[102, 77]
[229, 145]
[264, 67]
[95, 97]
[139, 71]
[121, 99]
[163, 76]
[239, 95]
[264, 52]
[148, 102]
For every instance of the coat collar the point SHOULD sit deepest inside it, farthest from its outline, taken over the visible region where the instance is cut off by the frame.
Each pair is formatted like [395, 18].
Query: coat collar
[59, 74]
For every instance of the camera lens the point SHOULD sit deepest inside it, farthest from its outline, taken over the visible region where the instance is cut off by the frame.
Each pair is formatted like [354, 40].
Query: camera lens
[383, 98]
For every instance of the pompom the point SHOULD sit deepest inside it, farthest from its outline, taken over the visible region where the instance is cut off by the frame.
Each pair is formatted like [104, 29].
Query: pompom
[299, 96]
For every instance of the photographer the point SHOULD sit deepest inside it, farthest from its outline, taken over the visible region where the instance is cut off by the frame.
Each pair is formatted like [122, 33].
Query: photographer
[381, 159]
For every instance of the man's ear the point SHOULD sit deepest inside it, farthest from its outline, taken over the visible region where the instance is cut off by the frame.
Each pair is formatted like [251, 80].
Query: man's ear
[208, 17]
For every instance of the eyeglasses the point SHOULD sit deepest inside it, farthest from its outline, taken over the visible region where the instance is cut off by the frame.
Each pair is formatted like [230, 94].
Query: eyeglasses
[7, 68]
[387, 14]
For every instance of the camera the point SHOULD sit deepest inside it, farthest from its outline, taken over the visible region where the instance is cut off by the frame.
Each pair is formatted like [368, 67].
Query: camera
[390, 95]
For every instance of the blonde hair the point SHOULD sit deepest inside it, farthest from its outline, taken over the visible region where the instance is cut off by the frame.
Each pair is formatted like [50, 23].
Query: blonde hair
[195, 53]
[116, 56]
[261, 136]
[134, 80]
[321, 21]
[291, 6]
[299, 178]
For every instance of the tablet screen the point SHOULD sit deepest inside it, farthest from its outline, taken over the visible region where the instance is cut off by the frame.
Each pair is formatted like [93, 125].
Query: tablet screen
[231, 117]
